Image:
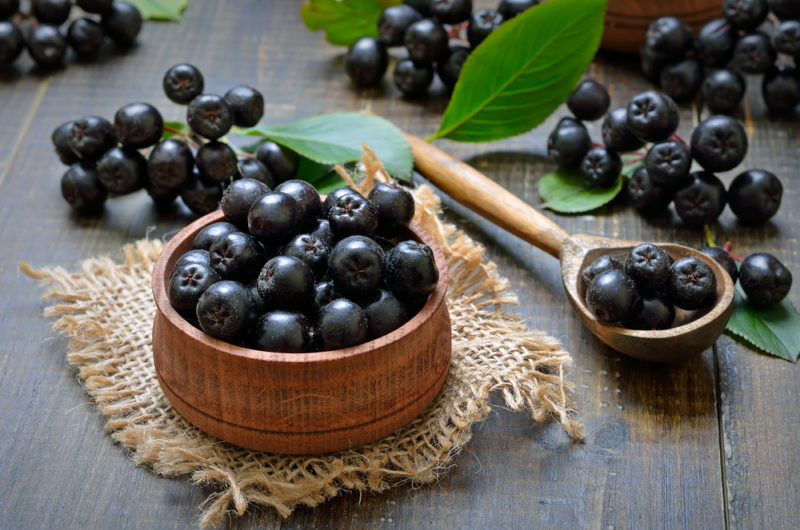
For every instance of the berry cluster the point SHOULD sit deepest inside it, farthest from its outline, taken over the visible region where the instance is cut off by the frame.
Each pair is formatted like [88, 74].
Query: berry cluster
[731, 46]
[47, 45]
[131, 154]
[425, 28]
[717, 144]
[643, 292]
[764, 279]
[286, 272]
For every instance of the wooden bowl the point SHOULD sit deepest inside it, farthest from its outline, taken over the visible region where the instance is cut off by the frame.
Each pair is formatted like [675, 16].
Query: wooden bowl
[299, 403]
[627, 21]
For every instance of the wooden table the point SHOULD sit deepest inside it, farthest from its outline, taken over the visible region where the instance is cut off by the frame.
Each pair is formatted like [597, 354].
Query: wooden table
[707, 444]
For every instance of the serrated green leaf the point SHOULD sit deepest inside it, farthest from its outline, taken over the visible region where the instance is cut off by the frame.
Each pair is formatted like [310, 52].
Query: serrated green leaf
[338, 137]
[567, 191]
[523, 71]
[169, 10]
[775, 330]
[344, 22]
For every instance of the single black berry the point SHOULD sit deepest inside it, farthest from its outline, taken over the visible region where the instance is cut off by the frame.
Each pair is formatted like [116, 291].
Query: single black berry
[281, 162]
[60, 139]
[754, 54]
[236, 256]
[366, 62]
[95, 6]
[122, 23]
[170, 164]
[714, 43]
[601, 166]
[385, 313]
[333, 196]
[450, 11]
[781, 88]
[341, 324]
[246, 104]
[653, 311]
[745, 14]
[411, 78]
[11, 42]
[682, 80]
[719, 143]
[90, 137]
[239, 197]
[648, 265]
[647, 196]
[282, 331]
[668, 163]
[54, 12]
[122, 170]
[701, 200]
[163, 198]
[787, 37]
[481, 24]
[309, 205]
[411, 271]
[597, 267]
[724, 259]
[200, 197]
[273, 218]
[250, 168]
[182, 83]
[511, 8]
[352, 214]
[206, 237]
[286, 282]
[324, 294]
[755, 196]
[669, 36]
[85, 36]
[589, 100]
[394, 206]
[723, 90]
[138, 125]
[651, 62]
[356, 265]
[611, 295]
[216, 162]
[188, 283]
[82, 189]
[322, 229]
[46, 45]
[691, 283]
[616, 134]
[222, 309]
[209, 116]
[426, 41]
[195, 255]
[450, 69]
[764, 279]
[312, 250]
[785, 9]
[652, 116]
[568, 143]
[393, 23]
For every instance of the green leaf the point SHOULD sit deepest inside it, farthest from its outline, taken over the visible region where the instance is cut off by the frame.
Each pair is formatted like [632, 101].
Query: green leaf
[169, 10]
[328, 183]
[344, 21]
[336, 138]
[775, 330]
[568, 191]
[631, 163]
[523, 71]
[181, 128]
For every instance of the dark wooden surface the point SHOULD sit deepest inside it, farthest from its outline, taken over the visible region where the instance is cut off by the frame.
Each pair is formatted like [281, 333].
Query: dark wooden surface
[709, 443]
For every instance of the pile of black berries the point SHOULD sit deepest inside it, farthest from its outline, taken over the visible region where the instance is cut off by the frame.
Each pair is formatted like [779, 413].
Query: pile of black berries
[286, 272]
[665, 176]
[755, 37]
[425, 28]
[40, 30]
[137, 152]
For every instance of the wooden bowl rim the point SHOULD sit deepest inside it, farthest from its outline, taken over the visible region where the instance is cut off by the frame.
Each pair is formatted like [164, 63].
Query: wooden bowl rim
[159, 288]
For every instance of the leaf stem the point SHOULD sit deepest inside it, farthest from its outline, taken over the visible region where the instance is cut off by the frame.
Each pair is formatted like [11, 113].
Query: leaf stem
[183, 135]
[727, 248]
[709, 237]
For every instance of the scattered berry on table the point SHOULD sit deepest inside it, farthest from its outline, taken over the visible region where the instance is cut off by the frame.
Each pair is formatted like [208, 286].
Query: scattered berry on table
[765, 280]
[366, 62]
[182, 83]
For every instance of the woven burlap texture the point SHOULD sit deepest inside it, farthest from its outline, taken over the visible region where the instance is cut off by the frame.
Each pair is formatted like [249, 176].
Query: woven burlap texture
[107, 309]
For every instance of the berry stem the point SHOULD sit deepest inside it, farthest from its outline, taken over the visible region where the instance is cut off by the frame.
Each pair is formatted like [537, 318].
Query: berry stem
[183, 135]
[634, 160]
[678, 139]
[727, 248]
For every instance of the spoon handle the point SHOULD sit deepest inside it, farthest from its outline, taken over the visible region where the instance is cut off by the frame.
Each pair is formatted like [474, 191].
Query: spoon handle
[471, 188]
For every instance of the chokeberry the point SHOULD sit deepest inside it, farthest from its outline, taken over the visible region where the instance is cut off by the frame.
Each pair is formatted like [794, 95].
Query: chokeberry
[394, 206]
[356, 265]
[785, 9]
[182, 83]
[366, 62]
[54, 12]
[90, 137]
[286, 282]
[787, 37]
[281, 162]
[426, 41]
[589, 100]
[188, 283]
[648, 265]
[450, 11]
[122, 170]
[238, 197]
[682, 80]
[282, 331]
[691, 283]
[646, 195]
[714, 43]
[122, 23]
[511, 8]
[669, 36]
[385, 313]
[82, 189]
[719, 143]
[11, 42]
[652, 116]
[723, 90]
[597, 267]
[324, 294]
[701, 200]
[450, 69]
[411, 78]
[309, 205]
[170, 164]
[85, 36]
[95, 6]
[250, 168]
[601, 166]
[653, 311]
[333, 196]
[196, 255]
[341, 324]
[163, 198]
[206, 237]
[352, 214]
[246, 104]
[393, 23]
[651, 63]
[724, 259]
[753, 53]
[222, 309]
[209, 116]
[216, 161]
[764, 279]
[138, 125]
[310, 249]
[200, 197]
[236, 256]
[60, 139]
[322, 230]
[481, 24]
[745, 14]
[568, 143]
[8, 8]
[611, 295]
[781, 88]
[46, 45]
[668, 162]
[273, 218]
[411, 271]
[616, 134]
[755, 196]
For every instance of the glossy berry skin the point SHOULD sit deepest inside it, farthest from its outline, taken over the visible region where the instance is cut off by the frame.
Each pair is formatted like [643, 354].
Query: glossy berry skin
[723, 90]
[356, 266]
[273, 218]
[122, 23]
[170, 164]
[199, 197]
[286, 282]
[206, 237]
[647, 196]
[85, 36]
[163, 198]
[282, 331]
[651, 63]
[322, 230]
[669, 36]
[652, 116]
[754, 54]
[193, 256]
[239, 197]
[366, 62]
[568, 143]
[719, 143]
[216, 162]
[450, 11]
[394, 206]
[785, 9]
[246, 104]
[188, 283]
[138, 125]
[411, 271]
[714, 43]
[182, 83]
[745, 15]
[281, 162]
[8, 8]
[209, 116]
[324, 294]
[333, 196]
[90, 137]
[11, 42]
[352, 214]
[412, 79]
[312, 250]
[385, 313]
[701, 200]
[787, 37]
[46, 45]
[652, 312]
[611, 295]
[682, 80]
[780, 88]
[122, 170]
[724, 259]
[648, 265]
[755, 196]
[236, 256]
[222, 309]
[598, 267]
[589, 101]
[341, 324]
[511, 8]
[426, 41]
[668, 163]
[601, 166]
[60, 139]
[450, 70]
[616, 134]
[54, 12]
[95, 6]
[691, 283]
[764, 279]
[393, 23]
[81, 188]
[250, 168]
[481, 24]
[309, 205]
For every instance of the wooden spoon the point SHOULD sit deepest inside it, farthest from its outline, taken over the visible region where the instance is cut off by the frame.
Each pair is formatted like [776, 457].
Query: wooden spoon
[693, 331]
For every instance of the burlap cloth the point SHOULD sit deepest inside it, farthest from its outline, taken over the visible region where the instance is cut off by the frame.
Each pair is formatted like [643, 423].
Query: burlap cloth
[107, 309]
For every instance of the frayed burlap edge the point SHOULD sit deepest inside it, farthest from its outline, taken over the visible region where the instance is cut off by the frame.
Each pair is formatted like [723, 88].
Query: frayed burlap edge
[107, 310]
